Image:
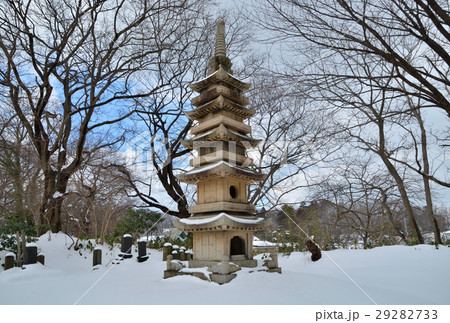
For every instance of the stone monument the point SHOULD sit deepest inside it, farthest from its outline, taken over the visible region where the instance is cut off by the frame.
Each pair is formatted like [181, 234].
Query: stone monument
[127, 245]
[222, 222]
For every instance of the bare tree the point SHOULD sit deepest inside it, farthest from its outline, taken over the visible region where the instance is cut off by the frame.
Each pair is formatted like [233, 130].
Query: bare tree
[96, 198]
[295, 137]
[73, 71]
[410, 36]
[369, 57]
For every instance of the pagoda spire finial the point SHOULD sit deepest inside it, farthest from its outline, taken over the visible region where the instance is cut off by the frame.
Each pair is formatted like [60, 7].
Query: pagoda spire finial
[220, 39]
[220, 54]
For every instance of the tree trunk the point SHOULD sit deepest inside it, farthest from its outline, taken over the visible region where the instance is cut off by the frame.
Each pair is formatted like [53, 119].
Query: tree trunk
[399, 181]
[426, 181]
[19, 253]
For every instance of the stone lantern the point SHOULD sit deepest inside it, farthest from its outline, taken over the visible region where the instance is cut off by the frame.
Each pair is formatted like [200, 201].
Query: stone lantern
[222, 222]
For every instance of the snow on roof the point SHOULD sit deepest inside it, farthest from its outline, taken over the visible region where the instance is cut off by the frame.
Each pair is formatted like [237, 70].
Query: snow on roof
[212, 166]
[205, 134]
[214, 218]
[206, 77]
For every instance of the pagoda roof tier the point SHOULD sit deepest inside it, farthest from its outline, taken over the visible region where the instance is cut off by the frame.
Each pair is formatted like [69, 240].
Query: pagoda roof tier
[217, 121]
[219, 156]
[221, 133]
[220, 89]
[220, 169]
[223, 206]
[219, 76]
[221, 221]
[220, 103]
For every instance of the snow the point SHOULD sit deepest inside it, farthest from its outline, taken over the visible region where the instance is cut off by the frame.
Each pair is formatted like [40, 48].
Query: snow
[206, 77]
[191, 221]
[204, 135]
[57, 195]
[127, 235]
[212, 166]
[261, 243]
[167, 244]
[31, 244]
[10, 254]
[389, 275]
[199, 170]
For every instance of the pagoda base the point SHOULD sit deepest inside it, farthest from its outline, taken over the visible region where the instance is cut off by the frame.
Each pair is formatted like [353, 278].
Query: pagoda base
[222, 236]
[250, 263]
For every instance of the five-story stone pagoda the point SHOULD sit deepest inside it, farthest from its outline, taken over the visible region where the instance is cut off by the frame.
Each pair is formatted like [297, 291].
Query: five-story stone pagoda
[222, 222]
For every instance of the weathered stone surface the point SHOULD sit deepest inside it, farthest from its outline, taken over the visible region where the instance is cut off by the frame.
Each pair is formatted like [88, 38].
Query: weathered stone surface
[182, 255]
[249, 263]
[97, 257]
[272, 262]
[175, 254]
[167, 250]
[174, 265]
[274, 270]
[169, 274]
[142, 251]
[222, 279]
[9, 261]
[224, 267]
[41, 258]
[127, 245]
[30, 254]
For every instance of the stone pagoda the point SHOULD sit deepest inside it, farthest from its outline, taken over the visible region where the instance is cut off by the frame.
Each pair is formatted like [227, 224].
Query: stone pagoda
[222, 222]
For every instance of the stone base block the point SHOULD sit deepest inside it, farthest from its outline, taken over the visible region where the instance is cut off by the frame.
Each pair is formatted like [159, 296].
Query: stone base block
[142, 258]
[125, 255]
[172, 273]
[222, 279]
[274, 270]
[249, 263]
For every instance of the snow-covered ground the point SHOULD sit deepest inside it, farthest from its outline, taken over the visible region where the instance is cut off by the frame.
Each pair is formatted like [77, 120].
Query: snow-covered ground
[386, 275]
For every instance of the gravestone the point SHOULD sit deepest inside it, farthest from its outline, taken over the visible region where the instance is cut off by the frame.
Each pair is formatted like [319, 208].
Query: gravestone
[41, 258]
[97, 257]
[182, 254]
[142, 251]
[167, 250]
[30, 253]
[9, 261]
[127, 244]
[188, 255]
[175, 254]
